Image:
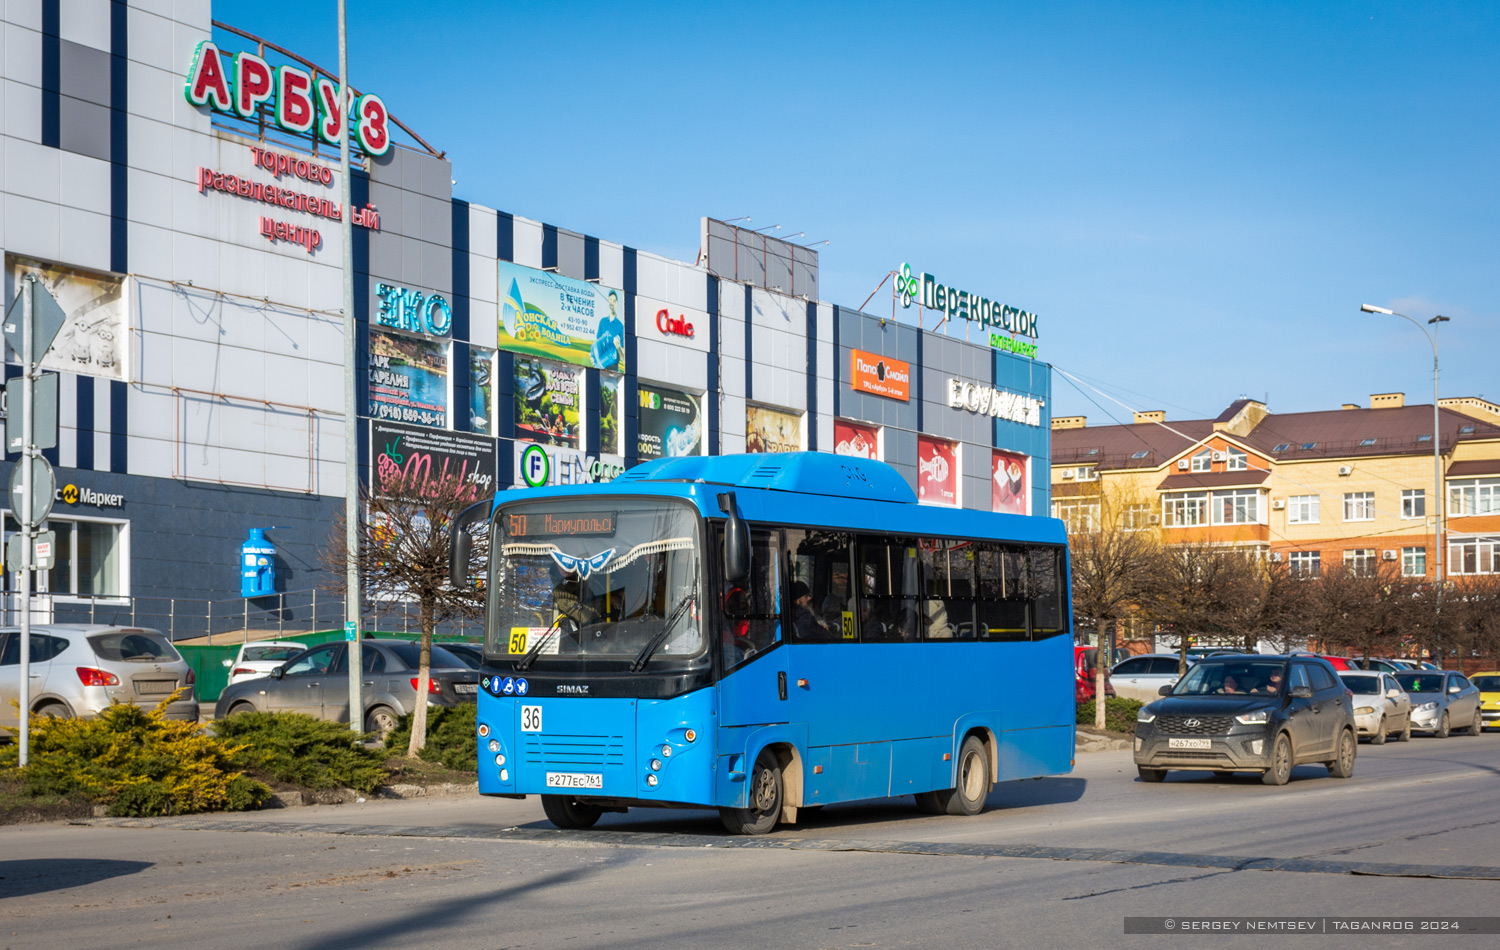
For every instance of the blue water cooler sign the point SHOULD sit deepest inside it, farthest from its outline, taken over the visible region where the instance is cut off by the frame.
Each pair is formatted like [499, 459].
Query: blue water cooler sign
[257, 565]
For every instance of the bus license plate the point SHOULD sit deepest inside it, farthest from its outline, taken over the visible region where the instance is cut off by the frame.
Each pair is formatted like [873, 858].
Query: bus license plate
[575, 780]
[1190, 743]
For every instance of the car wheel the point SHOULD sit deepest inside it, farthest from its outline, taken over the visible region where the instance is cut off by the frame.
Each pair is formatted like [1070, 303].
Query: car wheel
[765, 800]
[1151, 775]
[1379, 737]
[1474, 724]
[1280, 771]
[569, 813]
[380, 719]
[55, 711]
[1405, 733]
[238, 708]
[1343, 766]
[1444, 727]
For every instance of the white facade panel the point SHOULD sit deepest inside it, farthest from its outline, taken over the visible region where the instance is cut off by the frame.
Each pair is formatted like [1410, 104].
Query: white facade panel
[732, 376]
[527, 241]
[23, 51]
[611, 265]
[148, 91]
[732, 425]
[22, 108]
[149, 457]
[483, 238]
[31, 170]
[483, 279]
[731, 338]
[149, 200]
[87, 243]
[27, 13]
[149, 40]
[31, 227]
[85, 22]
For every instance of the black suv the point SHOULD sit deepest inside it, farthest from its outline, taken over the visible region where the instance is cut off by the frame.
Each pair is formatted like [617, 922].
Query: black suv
[1249, 713]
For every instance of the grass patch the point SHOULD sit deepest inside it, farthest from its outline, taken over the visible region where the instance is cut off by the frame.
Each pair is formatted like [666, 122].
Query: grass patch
[303, 751]
[451, 740]
[1119, 714]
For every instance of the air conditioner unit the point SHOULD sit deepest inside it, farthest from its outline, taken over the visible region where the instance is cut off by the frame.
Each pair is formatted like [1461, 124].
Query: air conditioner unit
[1182, 465]
[1220, 456]
[1346, 470]
[1069, 472]
[1387, 555]
[1154, 519]
[1276, 556]
[1278, 503]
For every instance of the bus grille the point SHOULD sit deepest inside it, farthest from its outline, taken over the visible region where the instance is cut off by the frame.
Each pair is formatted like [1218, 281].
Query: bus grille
[569, 752]
[1193, 725]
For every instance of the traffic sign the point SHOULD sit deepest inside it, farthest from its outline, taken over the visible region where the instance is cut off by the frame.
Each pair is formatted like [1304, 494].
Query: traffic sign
[43, 551]
[351, 630]
[43, 412]
[47, 319]
[43, 488]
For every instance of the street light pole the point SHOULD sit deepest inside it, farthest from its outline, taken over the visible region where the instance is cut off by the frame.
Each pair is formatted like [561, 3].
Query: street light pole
[1437, 462]
[351, 406]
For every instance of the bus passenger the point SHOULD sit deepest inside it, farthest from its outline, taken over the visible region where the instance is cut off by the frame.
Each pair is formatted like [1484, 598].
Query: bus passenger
[804, 621]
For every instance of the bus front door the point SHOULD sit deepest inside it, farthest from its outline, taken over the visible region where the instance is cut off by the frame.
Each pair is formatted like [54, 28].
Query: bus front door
[753, 687]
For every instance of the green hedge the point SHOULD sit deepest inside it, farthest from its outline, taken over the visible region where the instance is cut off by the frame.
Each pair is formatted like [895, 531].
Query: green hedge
[1119, 714]
[301, 750]
[451, 740]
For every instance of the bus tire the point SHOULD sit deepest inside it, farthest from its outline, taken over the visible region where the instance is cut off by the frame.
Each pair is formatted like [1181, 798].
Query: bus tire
[570, 813]
[929, 803]
[765, 799]
[973, 781]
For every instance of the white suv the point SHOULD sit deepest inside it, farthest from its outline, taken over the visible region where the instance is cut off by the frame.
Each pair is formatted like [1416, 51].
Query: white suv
[79, 670]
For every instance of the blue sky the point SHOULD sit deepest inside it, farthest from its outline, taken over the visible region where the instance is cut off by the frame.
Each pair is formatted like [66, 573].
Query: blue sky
[1194, 197]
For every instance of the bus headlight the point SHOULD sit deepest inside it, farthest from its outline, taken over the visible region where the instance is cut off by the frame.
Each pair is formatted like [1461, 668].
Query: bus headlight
[494, 745]
[651, 780]
[504, 775]
[656, 765]
[666, 751]
[500, 759]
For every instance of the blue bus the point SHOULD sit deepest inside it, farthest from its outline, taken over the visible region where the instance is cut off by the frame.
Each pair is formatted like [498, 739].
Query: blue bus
[763, 634]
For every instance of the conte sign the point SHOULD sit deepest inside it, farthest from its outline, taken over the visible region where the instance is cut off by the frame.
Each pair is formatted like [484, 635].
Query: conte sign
[297, 101]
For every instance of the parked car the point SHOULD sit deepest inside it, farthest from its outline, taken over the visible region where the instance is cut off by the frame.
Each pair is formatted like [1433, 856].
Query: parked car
[1249, 713]
[78, 670]
[1142, 677]
[1339, 663]
[1381, 706]
[1488, 684]
[259, 659]
[1380, 664]
[1441, 701]
[316, 682]
[1085, 667]
[472, 655]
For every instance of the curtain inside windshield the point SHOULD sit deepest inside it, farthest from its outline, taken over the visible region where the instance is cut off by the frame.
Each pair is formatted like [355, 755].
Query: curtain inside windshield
[606, 578]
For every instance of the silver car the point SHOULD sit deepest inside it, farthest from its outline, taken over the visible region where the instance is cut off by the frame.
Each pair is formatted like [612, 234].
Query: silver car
[1441, 701]
[78, 670]
[1142, 677]
[316, 682]
[259, 659]
[1381, 706]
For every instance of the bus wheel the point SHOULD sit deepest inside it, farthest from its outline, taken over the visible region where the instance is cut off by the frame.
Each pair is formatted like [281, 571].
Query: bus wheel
[569, 813]
[973, 782]
[765, 800]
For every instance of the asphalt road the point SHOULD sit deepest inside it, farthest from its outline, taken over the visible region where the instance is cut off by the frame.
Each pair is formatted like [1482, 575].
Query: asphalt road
[1057, 861]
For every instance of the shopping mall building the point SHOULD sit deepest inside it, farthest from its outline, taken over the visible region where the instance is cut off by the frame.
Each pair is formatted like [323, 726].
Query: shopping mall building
[172, 183]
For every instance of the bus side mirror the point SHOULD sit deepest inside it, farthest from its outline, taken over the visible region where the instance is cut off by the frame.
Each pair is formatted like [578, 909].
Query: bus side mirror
[461, 543]
[736, 542]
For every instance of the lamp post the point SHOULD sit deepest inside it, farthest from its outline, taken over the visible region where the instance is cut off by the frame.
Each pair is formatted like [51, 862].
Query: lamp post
[1437, 463]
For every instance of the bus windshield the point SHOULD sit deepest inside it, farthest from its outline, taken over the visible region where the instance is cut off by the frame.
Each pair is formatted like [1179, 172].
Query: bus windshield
[607, 579]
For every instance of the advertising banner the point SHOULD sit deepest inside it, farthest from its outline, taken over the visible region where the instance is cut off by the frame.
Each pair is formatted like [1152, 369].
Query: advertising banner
[670, 424]
[92, 339]
[408, 379]
[670, 323]
[538, 465]
[481, 390]
[1009, 491]
[851, 438]
[547, 399]
[881, 375]
[772, 430]
[937, 471]
[561, 318]
[423, 460]
[609, 412]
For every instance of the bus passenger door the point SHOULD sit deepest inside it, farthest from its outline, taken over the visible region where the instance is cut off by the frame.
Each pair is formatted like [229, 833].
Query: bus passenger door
[752, 686]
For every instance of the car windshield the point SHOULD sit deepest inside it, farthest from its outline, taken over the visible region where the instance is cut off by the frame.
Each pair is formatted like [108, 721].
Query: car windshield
[1363, 685]
[469, 656]
[134, 646]
[274, 654]
[1242, 678]
[1487, 683]
[411, 655]
[596, 578]
[1421, 682]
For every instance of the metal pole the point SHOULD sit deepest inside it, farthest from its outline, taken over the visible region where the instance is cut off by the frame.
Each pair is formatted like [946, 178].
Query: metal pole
[1437, 474]
[351, 409]
[26, 515]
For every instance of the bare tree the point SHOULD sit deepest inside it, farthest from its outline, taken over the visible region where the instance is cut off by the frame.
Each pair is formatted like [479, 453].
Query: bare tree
[403, 556]
[1282, 609]
[1200, 588]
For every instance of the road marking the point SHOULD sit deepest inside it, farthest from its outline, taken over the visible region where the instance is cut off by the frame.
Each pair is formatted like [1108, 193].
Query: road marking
[607, 838]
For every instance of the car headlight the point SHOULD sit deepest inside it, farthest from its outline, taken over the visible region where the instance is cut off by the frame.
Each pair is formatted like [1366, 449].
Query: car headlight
[1363, 710]
[1145, 715]
[1257, 718]
[1426, 706]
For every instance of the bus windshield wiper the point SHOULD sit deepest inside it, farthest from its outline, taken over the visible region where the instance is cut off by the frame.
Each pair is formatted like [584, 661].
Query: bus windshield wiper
[525, 662]
[660, 637]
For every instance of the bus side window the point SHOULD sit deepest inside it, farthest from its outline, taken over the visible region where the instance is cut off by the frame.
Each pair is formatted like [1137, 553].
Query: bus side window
[820, 607]
[1048, 613]
[947, 604]
[1004, 592]
[887, 606]
[751, 615]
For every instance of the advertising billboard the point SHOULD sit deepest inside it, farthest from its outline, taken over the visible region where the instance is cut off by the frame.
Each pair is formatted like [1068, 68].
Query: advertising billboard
[1009, 491]
[538, 465]
[880, 375]
[937, 471]
[408, 379]
[772, 430]
[481, 390]
[851, 438]
[92, 339]
[559, 318]
[546, 402]
[669, 423]
[423, 460]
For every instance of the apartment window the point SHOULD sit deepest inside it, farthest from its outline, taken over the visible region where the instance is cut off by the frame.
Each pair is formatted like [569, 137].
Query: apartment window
[1184, 509]
[1474, 556]
[1474, 496]
[1078, 515]
[1140, 455]
[1302, 509]
[1359, 506]
[1305, 563]
[1413, 502]
[1239, 506]
[1088, 473]
[1238, 461]
[1203, 461]
[90, 558]
[1364, 442]
[1414, 562]
[1282, 446]
[1137, 517]
[1360, 560]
